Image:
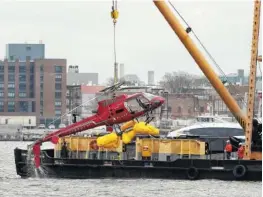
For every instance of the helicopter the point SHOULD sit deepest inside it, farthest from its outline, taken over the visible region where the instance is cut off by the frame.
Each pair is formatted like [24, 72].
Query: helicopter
[110, 112]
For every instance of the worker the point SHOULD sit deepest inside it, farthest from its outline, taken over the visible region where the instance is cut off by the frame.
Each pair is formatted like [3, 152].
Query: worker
[228, 149]
[64, 149]
[240, 151]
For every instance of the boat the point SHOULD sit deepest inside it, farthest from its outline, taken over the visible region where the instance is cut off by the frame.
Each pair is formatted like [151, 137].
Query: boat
[216, 133]
[146, 157]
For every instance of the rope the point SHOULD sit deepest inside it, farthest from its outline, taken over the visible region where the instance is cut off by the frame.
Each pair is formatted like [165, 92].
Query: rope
[73, 110]
[114, 42]
[210, 56]
[114, 15]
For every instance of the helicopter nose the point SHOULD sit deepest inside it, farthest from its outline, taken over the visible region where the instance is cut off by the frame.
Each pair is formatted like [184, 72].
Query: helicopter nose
[158, 101]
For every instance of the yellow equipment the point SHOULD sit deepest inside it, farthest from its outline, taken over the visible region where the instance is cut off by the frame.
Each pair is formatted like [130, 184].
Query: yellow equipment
[129, 131]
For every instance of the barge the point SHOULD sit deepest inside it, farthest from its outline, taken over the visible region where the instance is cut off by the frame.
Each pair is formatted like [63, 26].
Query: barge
[176, 159]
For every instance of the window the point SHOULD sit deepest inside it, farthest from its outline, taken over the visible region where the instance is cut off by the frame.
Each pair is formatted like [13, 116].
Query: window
[22, 86]
[28, 48]
[41, 104]
[1, 94]
[57, 103]
[22, 94]
[33, 106]
[41, 68]
[11, 77]
[11, 106]
[11, 69]
[22, 78]
[2, 85]
[41, 78]
[32, 67]
[11, 57]
[23, 106]
[41, 86]
[58, 95]
[58, 77]
[11, 95]
[28, 57]
[22, 69]
[31, 78]
[11, 85]
[32, 94]
[2, 69]
[41, 95]
[57, 112]
[58, 86]
[2, 77]
[29, 121]
[1, 106]
[58, 69]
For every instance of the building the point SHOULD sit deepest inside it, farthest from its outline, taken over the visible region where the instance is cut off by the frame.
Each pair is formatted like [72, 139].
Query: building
[74, 100]
[121, 71]
[34, 87]
[39, 90]
[51, 89]
[25, 51]
[74, 77]
[150, 77]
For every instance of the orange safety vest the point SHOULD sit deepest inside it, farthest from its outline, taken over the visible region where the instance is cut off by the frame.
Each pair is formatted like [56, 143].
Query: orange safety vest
[240, 152]
[228, 148]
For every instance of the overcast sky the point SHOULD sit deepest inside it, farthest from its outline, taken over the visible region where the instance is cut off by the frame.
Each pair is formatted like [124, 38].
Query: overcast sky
[82, 32]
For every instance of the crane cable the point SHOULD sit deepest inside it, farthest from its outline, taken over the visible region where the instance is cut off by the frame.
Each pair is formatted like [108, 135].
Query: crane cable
[189, 29]
[114, 16]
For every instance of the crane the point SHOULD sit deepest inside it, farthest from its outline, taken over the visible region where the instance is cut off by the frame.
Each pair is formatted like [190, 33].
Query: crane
[183, 35]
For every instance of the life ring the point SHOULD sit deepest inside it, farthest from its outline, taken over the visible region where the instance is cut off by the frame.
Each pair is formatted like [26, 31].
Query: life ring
[93, 145]
[192, 173]
[239, 171]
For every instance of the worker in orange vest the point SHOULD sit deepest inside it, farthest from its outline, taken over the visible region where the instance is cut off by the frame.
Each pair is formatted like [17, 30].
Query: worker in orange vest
[240, 151]
[228, 149]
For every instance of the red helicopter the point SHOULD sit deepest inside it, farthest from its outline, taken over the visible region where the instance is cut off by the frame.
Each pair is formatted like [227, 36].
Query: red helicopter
[113, 111]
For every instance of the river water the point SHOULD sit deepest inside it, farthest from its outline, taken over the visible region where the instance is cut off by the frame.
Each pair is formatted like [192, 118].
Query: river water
[12, 185]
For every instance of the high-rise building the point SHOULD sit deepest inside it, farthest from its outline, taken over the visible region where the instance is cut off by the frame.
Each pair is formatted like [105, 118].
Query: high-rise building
[150, 77]
[121, 71]
[25, 52]
[33, 88]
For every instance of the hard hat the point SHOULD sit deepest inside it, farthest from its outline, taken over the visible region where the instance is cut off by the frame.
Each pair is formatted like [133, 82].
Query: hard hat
[227, 141]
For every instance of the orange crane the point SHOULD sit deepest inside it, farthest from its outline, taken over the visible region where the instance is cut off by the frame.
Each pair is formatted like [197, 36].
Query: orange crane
[204, 65]
[252, 81]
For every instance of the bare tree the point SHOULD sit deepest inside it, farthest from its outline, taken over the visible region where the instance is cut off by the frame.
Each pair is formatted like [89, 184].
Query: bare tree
[176, 82]
[179, 82]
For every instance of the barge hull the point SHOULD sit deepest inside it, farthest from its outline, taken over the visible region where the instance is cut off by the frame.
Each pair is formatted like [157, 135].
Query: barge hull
[192, 169]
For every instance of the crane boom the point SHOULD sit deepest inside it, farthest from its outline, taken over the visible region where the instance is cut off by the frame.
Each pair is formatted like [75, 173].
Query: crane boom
[202, 62]
[252, 79]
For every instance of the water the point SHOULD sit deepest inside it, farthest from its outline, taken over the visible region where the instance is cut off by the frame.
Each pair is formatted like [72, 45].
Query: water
[12, 185]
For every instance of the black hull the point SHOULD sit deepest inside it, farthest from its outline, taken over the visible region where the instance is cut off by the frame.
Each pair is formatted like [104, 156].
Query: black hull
[192, 169]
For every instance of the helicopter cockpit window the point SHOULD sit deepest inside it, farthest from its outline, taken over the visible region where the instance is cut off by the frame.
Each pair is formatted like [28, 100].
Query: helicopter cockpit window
[136, 104]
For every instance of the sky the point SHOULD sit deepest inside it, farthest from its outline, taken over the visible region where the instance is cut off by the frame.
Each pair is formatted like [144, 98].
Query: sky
[82, 33]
